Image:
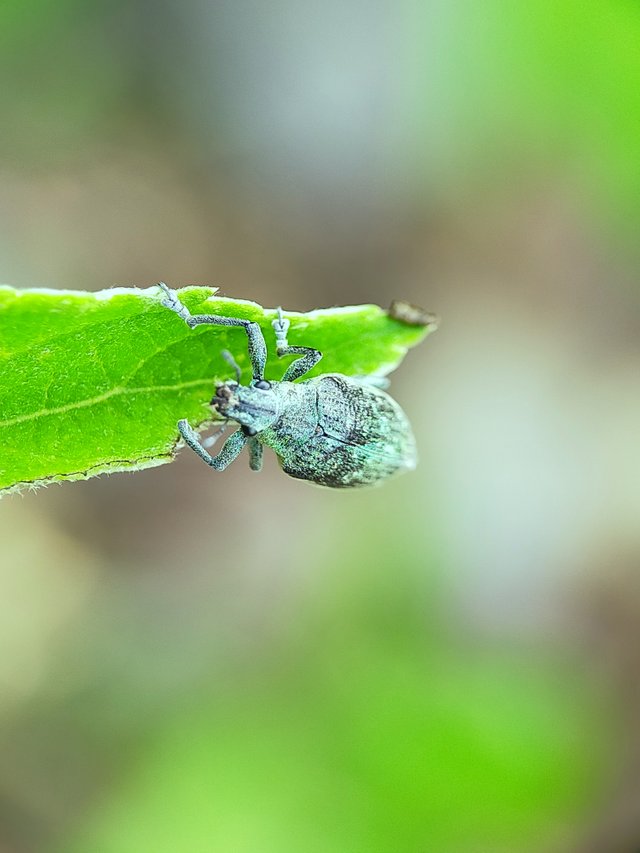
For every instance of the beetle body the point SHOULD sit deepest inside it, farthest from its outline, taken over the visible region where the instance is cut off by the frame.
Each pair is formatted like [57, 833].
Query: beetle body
[331, 430]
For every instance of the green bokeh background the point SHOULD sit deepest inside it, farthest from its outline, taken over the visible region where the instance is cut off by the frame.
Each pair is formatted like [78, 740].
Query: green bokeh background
[209, 663]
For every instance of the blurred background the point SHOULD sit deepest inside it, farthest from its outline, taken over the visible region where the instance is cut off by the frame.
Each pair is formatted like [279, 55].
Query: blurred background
[195, 663]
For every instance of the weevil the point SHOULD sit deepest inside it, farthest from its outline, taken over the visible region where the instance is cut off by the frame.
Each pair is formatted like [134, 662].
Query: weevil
[331, 430]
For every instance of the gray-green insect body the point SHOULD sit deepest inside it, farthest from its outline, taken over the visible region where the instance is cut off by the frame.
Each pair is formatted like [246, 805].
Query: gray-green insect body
[331, 430]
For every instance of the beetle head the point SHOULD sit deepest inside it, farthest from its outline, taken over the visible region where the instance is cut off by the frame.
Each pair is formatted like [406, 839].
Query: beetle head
[254, 406]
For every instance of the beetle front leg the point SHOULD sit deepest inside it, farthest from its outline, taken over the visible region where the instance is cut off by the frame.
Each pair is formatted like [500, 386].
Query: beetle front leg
[230, 449]
[256, 343]
[298, 368]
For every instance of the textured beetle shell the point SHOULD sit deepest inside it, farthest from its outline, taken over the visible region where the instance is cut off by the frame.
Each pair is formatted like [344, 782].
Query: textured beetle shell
[338, 432]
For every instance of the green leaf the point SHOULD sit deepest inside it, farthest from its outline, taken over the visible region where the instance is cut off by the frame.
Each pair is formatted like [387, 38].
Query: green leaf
[93, 383]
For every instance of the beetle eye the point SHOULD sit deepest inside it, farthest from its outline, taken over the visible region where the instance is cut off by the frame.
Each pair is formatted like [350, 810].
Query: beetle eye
[263, 385]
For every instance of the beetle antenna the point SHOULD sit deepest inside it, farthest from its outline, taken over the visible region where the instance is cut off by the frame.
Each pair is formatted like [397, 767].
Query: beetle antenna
[211, 439]
[232, 362]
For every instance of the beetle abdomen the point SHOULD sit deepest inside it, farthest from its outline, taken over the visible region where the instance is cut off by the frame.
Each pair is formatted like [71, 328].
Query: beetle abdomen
[363, 437]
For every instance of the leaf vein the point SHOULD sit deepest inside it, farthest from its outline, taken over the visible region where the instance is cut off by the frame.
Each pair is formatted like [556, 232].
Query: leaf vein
[101, 398]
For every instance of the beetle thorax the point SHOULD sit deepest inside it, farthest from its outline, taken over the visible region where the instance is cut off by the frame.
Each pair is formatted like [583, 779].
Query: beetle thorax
[255, 408]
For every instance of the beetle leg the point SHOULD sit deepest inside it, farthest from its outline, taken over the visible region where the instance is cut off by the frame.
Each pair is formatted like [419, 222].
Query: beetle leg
[255, 454]
[230, 449]
[310, 356]
[256, 343]
[297, 368]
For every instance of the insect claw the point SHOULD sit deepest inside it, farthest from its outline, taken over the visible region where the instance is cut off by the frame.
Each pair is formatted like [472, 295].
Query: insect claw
[281, 327]
[172, 302]
[170, 299]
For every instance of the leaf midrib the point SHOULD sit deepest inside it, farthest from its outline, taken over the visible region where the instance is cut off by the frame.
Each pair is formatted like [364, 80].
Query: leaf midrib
[92, 401]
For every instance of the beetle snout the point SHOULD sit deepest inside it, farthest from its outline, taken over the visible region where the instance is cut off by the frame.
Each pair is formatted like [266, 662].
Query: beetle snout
[223, 398]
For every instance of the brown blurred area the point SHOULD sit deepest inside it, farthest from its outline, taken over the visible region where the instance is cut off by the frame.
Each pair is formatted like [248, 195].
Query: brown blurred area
[482, 165]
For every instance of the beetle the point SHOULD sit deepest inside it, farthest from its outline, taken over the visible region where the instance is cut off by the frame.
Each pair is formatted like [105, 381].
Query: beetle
[331, 430]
